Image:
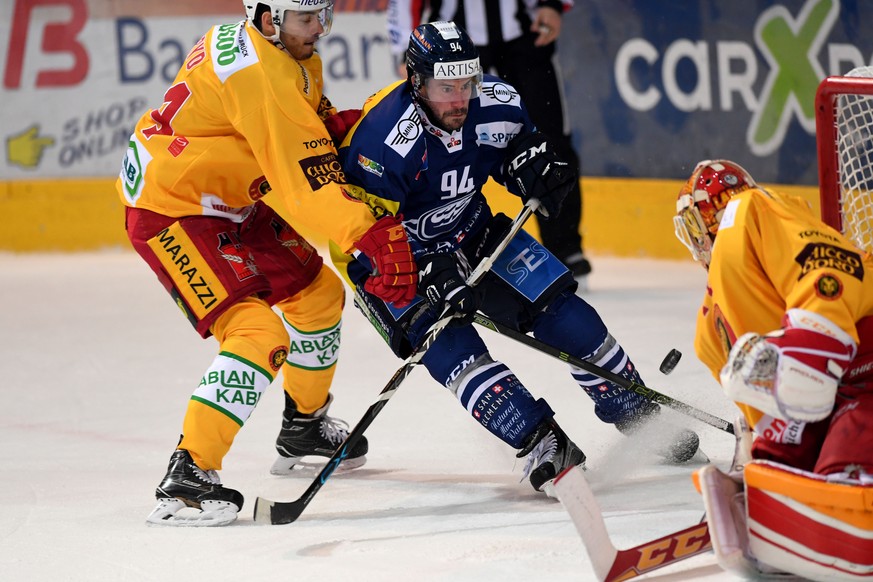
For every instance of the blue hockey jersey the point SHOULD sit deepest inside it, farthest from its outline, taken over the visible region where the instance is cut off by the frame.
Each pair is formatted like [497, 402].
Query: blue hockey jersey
[431, 177]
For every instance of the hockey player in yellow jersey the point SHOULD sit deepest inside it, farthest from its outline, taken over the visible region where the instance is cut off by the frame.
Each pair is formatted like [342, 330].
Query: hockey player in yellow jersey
[245, 118]
[786, 328]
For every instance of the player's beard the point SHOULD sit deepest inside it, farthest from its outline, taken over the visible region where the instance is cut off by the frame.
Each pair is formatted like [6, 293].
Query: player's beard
[453, 119]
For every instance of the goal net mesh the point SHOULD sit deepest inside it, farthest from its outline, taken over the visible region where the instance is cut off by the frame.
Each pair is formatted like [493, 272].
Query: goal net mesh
[854, 150]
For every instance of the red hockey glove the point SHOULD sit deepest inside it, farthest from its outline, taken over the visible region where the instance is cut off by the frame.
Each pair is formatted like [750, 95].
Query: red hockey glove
[395, 277]
[791, 373]
[339, 124]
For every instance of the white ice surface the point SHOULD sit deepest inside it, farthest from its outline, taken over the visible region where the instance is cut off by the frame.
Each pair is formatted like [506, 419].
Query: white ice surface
[97, 365]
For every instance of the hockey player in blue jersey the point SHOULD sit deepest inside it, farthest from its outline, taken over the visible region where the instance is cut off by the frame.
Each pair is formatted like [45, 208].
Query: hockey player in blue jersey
[422, 150]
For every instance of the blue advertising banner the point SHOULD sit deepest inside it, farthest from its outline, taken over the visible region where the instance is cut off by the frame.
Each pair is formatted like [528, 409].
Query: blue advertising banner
[656, 85]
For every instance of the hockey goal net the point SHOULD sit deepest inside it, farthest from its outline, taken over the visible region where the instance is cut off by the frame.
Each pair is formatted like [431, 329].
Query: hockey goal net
[844, 135]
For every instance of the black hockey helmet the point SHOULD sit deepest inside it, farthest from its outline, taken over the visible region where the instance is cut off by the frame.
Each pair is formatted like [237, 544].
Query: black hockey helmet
[442, 50]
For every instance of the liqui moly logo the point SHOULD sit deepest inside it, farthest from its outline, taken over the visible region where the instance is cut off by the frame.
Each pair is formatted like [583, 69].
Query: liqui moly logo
[456, 70]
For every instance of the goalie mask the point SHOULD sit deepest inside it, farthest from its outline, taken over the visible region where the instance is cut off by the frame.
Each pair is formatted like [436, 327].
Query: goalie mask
[702, 201]
[320, 9]
[442, 60]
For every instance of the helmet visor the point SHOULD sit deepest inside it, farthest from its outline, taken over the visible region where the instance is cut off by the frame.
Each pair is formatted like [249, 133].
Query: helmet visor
[690, 229]
[451, 90]
[303, 23]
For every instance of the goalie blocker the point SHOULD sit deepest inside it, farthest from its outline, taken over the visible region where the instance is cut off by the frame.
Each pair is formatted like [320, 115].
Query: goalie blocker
[788, 520]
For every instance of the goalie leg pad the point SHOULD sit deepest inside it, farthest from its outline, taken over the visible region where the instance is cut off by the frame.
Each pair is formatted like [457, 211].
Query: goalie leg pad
[800, 523]
[725, 513]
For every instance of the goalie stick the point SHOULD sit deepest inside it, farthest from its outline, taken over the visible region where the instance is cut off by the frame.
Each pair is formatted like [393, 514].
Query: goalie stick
[611, 564]
[282, 512]
[644, 391]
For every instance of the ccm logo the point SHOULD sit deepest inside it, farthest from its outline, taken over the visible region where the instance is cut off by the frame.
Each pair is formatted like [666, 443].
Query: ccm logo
[527, 155]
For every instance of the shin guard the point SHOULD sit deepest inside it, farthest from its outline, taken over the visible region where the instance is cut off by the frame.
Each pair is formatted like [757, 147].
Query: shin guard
[498, 400]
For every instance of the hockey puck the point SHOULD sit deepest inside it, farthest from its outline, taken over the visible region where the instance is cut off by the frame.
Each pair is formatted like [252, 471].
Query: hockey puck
[670, 361]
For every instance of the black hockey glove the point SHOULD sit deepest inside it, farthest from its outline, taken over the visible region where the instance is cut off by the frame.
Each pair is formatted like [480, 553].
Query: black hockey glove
[443, 286]
[539, 172]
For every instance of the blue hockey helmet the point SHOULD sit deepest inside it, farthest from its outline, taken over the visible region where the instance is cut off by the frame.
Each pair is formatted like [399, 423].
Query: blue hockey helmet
[442, 50]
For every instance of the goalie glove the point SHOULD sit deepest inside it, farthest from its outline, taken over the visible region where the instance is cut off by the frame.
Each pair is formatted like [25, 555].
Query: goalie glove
[792, 373]
[538, 172]
[395, 276]
[444, 287]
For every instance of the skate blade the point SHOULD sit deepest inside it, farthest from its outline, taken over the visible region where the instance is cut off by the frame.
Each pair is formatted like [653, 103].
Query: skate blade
[285, 466]
[174, 512]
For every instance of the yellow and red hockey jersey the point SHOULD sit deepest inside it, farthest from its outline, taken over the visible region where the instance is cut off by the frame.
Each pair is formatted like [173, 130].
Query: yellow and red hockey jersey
[242, 118]
[772, 254]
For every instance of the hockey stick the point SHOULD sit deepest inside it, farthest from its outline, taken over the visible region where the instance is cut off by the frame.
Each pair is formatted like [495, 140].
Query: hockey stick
[281, 512]
[630, 385]
[609, 563]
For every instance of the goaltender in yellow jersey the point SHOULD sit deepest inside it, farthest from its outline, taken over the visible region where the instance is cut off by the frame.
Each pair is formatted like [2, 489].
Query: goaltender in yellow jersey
[786, 328]
[773, 254]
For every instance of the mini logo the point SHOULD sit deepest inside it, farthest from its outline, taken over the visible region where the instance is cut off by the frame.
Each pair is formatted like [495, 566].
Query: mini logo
[499, 92]
[407, 130]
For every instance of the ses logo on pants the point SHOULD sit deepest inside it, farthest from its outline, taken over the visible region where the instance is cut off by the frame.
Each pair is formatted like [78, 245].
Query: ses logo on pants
[526, 262]
[528, 267]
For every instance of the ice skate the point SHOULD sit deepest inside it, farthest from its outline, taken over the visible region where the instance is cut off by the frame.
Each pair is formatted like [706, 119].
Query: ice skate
[190, 496]
[548, 452]
[676, 445]
[313, 435]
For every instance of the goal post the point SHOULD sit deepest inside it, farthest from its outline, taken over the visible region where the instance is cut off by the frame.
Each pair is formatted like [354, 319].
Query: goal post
[844, 139]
